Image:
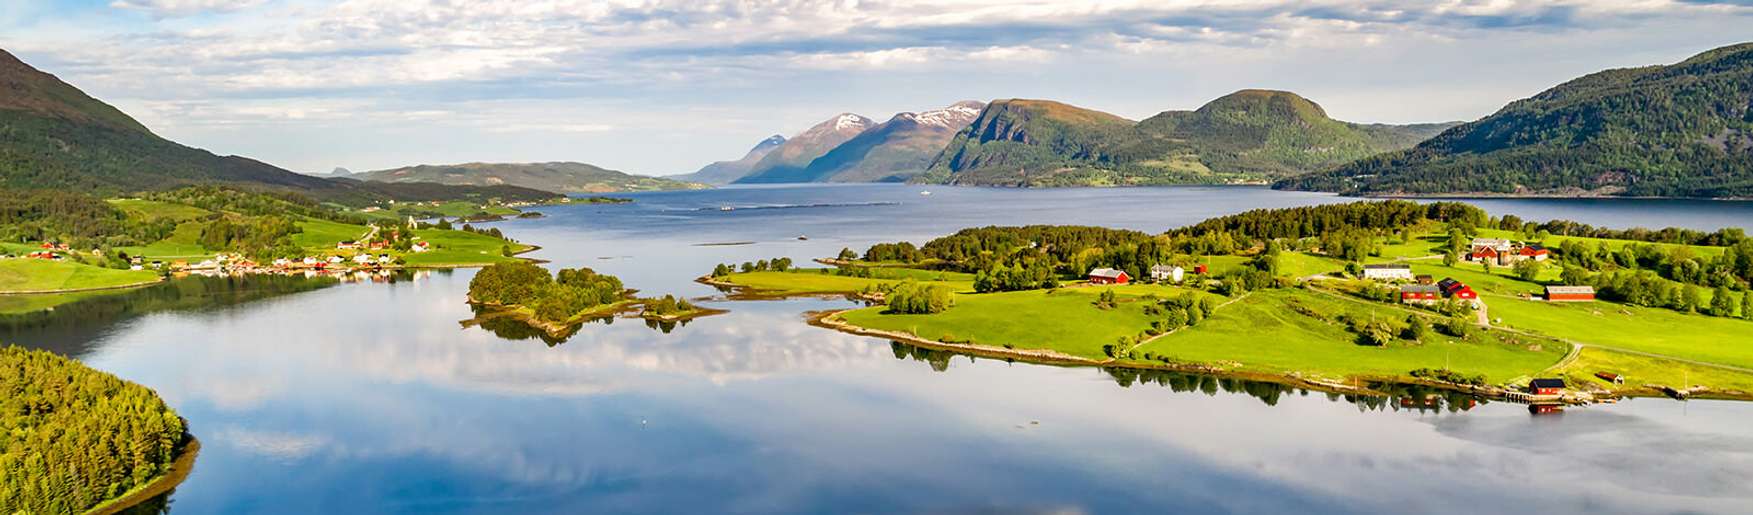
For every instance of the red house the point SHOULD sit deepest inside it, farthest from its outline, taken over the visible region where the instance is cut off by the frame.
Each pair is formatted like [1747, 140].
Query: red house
[1199, 269]
[1548, 386]
[1464, 293]
[1535, 252]
[1109, 276]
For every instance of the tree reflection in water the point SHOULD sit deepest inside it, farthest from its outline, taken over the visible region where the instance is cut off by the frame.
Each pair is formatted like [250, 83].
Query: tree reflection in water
[1409, 397]
[512, 328]
[69, 329]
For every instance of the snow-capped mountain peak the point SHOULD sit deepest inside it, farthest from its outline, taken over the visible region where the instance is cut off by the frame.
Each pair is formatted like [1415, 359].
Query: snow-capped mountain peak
[955, 116]
[849, 121]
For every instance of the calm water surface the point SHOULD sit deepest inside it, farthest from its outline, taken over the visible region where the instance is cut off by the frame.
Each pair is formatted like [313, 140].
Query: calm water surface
[365, 398]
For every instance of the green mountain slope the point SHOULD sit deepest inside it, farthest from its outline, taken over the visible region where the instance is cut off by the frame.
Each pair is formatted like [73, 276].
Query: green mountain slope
[54, 136]
[1682, 130]
[1247, 136]
[564, 177]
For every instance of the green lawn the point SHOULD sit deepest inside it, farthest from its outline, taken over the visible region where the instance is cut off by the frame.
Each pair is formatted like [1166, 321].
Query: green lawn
[182, 243]
[1420, 245]
[1297, 264]
[322, 235]
[1267, 333]
[455, 247]
[1661, 331]
[1064, 320]
[451, 209]
[28, 275]
[155, 210]
[1641, 370]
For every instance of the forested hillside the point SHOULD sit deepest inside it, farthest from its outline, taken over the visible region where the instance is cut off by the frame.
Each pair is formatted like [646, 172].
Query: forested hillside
[72, 437]
[1247, 136]
[1683, 130]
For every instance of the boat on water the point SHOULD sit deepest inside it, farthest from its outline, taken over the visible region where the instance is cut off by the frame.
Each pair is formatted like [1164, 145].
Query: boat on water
[726, 208]
[802, 237]
[925, 193]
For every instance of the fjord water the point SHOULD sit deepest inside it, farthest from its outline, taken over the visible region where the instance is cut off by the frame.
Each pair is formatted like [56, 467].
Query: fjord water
[370, 397]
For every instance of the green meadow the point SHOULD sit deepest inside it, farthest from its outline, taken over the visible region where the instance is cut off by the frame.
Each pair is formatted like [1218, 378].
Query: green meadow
[1064, 319]
[20, 275]
[1291, 330]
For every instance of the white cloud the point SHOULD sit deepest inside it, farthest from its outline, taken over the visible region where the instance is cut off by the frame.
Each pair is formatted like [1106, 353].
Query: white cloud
[386, 58]
[173, 8]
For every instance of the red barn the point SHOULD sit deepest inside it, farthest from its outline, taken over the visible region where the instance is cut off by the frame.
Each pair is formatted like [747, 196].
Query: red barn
[1109, 276]
[1570, 293]
[1418, 293]
[1199, 269]
[1551, 386]
[1465, 293]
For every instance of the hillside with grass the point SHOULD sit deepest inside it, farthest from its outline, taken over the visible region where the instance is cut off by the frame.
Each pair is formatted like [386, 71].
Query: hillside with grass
[560, 177]
[1250, 136]
[1680, 130]
[1282, 294]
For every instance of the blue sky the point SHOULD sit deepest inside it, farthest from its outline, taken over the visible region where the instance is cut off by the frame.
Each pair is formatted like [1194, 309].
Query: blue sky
[661, 87]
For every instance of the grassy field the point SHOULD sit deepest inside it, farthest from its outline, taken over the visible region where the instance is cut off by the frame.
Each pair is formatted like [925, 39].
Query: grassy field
[29, 275]
[1661, 331]
[183, 243]
[155, 210]
[460, 248]
[322, 235]
[451, 209]
[1066, 319]
[1270, 332]
[1297, 264]
[1641, 370]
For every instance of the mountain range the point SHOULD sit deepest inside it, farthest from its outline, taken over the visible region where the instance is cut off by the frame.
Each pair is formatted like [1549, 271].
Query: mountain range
[52, 135]
[724, 172]
[1249, 136]
[562, 177]
[1680, 130]
[789, 161]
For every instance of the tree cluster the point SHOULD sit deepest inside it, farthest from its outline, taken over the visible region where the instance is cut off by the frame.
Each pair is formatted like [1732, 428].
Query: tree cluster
[555, 299]
[910, 297]
[72, 437]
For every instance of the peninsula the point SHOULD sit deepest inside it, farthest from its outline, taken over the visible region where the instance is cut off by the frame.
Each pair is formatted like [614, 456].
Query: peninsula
[1330, 297]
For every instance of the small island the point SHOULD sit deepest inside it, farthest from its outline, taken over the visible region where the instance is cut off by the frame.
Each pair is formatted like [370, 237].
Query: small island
[557, 304]
[1332, 297]
[83, 441]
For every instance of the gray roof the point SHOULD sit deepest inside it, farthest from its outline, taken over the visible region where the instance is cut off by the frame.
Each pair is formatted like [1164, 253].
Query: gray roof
[1388, 267]
[1420, 288]
[1105, 272]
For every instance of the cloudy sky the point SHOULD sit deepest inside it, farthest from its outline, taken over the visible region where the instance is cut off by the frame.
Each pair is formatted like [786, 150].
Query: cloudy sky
[662, 87]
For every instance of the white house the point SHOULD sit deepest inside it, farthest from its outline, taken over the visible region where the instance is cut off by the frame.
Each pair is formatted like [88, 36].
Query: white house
[1388, 272]
[336, 259]
[1160, 273]
[421, 246]
[363, 259]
